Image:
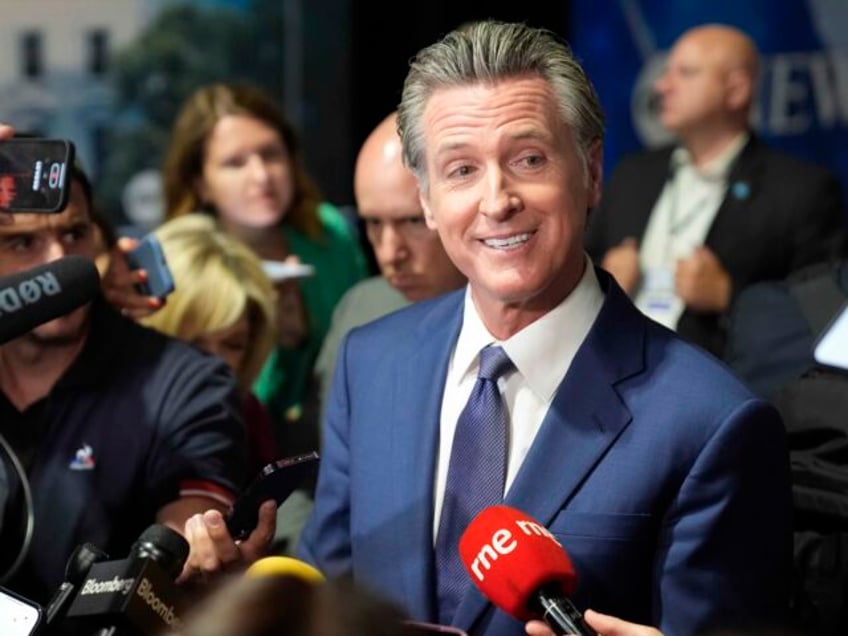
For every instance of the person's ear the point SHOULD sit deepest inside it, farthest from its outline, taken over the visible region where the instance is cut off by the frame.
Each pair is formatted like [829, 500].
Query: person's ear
[739, 90]
[428, 213]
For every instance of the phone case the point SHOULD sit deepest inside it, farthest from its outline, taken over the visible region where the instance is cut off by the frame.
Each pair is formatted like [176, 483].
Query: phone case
[275, 481]
[35, 174]
[150, 257]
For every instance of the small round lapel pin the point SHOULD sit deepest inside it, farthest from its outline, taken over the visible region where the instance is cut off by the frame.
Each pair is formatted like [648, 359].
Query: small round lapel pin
[740, 190]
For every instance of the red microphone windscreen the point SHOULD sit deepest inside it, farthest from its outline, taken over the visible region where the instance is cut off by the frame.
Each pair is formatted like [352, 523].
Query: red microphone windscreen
[510, 555]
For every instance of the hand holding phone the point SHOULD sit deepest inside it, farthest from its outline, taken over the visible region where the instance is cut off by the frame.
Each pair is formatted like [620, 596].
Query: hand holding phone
[148, 255]
[34, 174]
[275, 481]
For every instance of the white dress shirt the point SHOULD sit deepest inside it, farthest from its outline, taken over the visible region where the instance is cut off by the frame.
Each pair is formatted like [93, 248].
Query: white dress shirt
[542, 352]
[679, 222]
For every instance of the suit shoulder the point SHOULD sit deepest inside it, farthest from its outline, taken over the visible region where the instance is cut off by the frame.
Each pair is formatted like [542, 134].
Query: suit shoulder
[377, 292]
[784, 163]
[691, 369]
[411, 319]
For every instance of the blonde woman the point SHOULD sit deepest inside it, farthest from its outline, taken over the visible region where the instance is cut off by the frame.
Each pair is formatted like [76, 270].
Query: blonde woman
[224, 303]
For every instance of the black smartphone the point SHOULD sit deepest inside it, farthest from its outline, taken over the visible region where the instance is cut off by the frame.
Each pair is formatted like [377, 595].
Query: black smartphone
[18, 616]
[276, 481]
[34, 174]
[148, 255]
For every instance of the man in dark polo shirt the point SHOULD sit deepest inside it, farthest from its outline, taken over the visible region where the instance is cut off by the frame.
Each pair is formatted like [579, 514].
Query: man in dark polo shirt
[117, 426]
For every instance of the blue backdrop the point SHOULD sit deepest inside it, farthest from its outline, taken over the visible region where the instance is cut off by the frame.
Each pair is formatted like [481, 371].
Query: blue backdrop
[803, 99]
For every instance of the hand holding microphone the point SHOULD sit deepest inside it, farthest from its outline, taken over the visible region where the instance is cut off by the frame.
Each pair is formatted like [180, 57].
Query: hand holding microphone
[521, 568]
[213, 549]
[604, 624]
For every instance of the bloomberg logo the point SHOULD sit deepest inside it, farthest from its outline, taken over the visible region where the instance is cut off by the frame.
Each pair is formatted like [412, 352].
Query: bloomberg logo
[157, 605]
[108, 586]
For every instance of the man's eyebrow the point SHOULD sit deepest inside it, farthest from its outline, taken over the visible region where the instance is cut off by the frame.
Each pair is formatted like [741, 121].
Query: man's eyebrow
[450, 146]
[531, 133]
[65, 226]
[75, 224]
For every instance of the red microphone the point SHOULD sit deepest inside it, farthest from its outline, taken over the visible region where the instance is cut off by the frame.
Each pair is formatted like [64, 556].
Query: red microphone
[522, 569]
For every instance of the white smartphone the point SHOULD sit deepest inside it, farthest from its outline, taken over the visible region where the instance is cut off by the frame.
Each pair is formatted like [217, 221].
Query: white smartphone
[279, 271]
[831, 349]
[18, 616]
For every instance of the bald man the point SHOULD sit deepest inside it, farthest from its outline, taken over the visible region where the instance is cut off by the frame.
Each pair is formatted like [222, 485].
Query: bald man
[413, 264]
[685, 228]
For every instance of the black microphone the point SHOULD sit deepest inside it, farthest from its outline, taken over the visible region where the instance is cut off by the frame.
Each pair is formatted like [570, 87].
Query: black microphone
[76, 569]
[40, 294]
[135, 596]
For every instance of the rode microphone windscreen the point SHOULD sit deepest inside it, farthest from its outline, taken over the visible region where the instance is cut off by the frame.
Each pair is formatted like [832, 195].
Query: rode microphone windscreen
[38, 295]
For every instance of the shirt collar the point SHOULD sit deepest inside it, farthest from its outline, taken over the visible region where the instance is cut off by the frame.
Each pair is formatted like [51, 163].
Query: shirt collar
[543, 351]
[719, 167]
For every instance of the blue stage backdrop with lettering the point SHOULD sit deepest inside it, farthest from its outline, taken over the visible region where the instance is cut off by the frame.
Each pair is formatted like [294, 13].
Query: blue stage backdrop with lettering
[802, 105]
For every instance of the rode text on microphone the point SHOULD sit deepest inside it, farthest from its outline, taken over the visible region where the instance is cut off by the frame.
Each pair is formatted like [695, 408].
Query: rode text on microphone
[38, 295]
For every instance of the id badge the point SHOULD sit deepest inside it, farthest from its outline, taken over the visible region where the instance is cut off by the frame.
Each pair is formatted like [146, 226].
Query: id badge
[658, 290]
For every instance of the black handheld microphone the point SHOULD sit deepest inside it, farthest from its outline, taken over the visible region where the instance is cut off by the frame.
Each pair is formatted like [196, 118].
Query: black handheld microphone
[76, 569]
[40, 294]
[134, 596]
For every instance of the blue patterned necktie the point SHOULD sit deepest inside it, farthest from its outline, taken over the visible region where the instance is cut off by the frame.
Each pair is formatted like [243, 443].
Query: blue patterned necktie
[476, 474]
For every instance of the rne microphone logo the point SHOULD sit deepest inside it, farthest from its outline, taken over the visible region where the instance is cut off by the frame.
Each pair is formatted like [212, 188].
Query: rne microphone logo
[28, 292]
[504, 542]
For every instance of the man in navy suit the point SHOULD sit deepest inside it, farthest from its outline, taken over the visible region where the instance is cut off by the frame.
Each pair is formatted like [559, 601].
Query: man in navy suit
[685, 228]
[663, 477]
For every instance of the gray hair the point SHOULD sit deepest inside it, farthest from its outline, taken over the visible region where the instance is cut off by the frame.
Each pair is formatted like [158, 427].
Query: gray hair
[489, 51]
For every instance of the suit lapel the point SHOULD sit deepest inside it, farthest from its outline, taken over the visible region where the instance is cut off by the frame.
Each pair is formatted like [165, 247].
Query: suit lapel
[585, 419]
[652, 179]
[418, 388]
[742, 184]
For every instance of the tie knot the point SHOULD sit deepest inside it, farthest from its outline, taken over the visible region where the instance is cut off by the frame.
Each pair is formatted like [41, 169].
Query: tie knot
[494, 363]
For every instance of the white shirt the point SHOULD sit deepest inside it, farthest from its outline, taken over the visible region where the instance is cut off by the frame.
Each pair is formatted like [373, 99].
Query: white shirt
[679, 222]
[542, 352]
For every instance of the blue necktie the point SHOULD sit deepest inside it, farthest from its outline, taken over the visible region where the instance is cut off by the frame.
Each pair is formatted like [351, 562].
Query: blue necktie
[476, 475]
